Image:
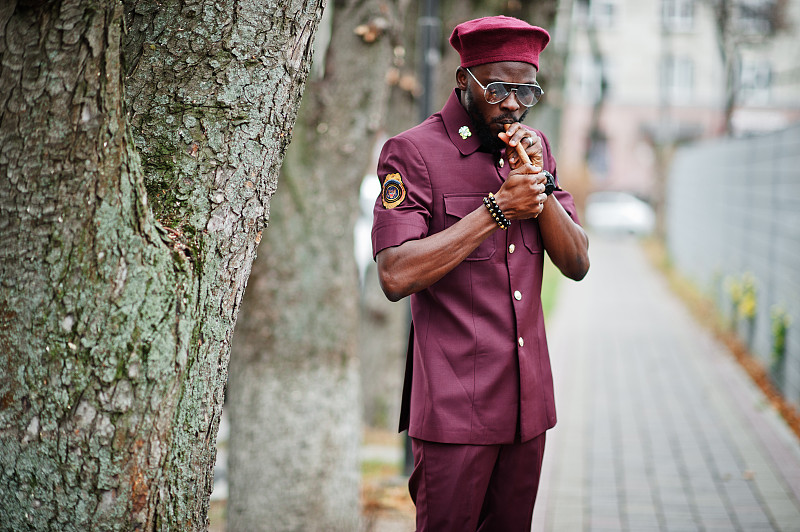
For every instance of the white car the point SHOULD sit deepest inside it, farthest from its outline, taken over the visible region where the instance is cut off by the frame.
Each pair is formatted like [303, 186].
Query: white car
[619, 212]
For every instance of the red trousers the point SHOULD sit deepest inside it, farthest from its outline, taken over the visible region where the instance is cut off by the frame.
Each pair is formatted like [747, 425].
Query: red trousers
[483, 488]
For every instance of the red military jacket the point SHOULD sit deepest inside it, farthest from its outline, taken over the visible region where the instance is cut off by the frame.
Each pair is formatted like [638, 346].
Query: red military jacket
[478, 367]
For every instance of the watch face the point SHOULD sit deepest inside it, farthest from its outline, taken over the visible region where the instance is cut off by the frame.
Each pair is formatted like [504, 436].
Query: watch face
[550, 184]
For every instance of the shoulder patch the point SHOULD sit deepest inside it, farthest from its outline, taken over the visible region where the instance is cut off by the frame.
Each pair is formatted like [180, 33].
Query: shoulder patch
[394, 192]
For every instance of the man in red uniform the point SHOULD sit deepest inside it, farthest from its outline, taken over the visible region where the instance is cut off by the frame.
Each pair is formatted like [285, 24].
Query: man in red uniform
[462, 225]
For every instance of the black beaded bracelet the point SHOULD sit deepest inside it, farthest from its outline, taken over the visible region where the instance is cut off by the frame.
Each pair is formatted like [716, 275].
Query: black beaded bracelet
[501, 219]
[495, 211]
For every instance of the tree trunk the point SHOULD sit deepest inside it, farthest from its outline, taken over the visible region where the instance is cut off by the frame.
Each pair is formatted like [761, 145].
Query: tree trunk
[293, 394]
[139, 147]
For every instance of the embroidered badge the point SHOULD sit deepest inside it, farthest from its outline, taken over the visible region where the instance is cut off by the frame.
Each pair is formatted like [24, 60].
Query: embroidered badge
[394, 192]
[465, 132]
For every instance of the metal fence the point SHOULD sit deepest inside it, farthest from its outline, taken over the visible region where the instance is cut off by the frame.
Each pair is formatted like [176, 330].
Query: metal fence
[733, 228]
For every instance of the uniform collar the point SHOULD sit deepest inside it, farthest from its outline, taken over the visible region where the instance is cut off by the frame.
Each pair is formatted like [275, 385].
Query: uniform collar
[459, 125]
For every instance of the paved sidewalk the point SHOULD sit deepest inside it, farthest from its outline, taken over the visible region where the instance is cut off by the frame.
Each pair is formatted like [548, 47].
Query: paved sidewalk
[659, 429]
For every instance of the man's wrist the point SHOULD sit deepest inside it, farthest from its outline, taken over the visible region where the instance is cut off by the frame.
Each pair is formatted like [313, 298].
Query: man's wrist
[497, 213]
[550, 183]
[500, 198]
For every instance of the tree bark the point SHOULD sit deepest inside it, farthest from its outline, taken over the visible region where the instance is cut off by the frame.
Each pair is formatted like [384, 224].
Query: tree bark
[293, 395]
[139, 147]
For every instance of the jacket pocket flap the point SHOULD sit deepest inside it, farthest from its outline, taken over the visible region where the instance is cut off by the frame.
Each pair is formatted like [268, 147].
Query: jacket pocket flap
[460, 205]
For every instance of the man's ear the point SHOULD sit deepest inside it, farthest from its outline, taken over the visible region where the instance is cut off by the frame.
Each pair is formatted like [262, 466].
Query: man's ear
[461, 78]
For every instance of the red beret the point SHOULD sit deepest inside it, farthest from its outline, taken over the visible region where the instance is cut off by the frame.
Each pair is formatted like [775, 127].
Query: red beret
[493, 39]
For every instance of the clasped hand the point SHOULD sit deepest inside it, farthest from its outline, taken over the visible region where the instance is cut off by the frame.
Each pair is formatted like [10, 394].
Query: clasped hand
[522, 195]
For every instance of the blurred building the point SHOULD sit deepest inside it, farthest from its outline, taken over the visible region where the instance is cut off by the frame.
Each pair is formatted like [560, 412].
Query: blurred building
[645, 74]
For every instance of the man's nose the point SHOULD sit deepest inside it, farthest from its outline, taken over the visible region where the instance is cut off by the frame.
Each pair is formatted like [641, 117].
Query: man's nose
[511, 103]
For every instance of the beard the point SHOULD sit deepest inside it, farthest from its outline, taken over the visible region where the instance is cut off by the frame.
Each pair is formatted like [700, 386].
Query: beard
[490, 142]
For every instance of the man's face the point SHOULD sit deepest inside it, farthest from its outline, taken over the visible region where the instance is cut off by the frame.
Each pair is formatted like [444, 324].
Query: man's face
[489, 118]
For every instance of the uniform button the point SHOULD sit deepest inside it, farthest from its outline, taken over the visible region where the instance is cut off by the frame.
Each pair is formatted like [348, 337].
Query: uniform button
[511, 248]
[517, 295]
[521, 341]
[501, 163]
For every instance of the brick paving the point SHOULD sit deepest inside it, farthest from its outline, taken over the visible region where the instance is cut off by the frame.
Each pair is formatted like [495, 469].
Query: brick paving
[659, 429]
